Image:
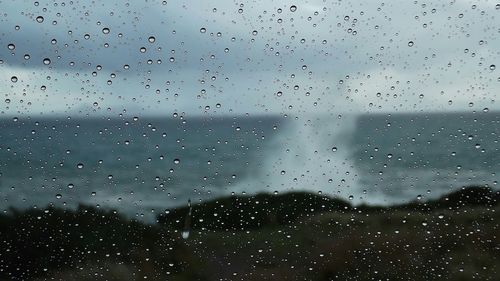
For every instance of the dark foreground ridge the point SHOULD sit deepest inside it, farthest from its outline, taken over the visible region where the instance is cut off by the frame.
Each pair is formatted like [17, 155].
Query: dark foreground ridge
[293, 236]
[252, 212]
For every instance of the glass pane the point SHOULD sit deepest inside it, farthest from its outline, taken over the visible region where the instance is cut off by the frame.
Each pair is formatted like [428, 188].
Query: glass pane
[264, 140]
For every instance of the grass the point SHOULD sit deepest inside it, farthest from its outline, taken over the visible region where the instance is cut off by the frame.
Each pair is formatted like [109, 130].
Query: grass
[295, 236]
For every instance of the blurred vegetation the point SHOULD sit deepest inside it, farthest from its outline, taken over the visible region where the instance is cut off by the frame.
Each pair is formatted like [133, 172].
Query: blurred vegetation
[293, 236]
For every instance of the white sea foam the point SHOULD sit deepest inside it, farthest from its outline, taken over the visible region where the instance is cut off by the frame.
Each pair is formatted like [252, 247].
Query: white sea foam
[311, 153]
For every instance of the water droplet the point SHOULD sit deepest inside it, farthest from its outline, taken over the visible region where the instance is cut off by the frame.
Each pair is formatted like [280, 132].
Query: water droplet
[334, 149]
[39, 19]
[105, 30]
[492, 67]
[187, 222]
[79, 166]
[203, 30]
[13, 79]
[151, 39]
[58, 196]
[293, 8]
[410, 44]
[177, 161]
[46, 61]
[11, 47]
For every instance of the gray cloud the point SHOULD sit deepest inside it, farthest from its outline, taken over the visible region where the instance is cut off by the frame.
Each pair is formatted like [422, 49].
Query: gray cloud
[324, 57]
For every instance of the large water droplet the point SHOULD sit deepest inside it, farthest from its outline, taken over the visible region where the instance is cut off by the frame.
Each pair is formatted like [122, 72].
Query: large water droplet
[187, 222]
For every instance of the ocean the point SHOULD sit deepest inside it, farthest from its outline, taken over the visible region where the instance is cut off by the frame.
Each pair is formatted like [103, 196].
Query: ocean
[144, 166]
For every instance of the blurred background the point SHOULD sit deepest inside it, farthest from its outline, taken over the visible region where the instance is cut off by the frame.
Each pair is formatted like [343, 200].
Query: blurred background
[141, 114]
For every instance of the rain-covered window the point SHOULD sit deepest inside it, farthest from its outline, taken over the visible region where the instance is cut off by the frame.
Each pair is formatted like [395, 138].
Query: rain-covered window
[249, 140]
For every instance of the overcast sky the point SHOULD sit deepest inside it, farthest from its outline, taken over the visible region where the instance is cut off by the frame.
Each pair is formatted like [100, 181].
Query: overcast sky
[258, 57]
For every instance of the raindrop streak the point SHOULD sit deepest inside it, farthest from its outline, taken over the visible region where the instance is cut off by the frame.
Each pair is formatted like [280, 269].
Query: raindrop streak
[187, 223]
